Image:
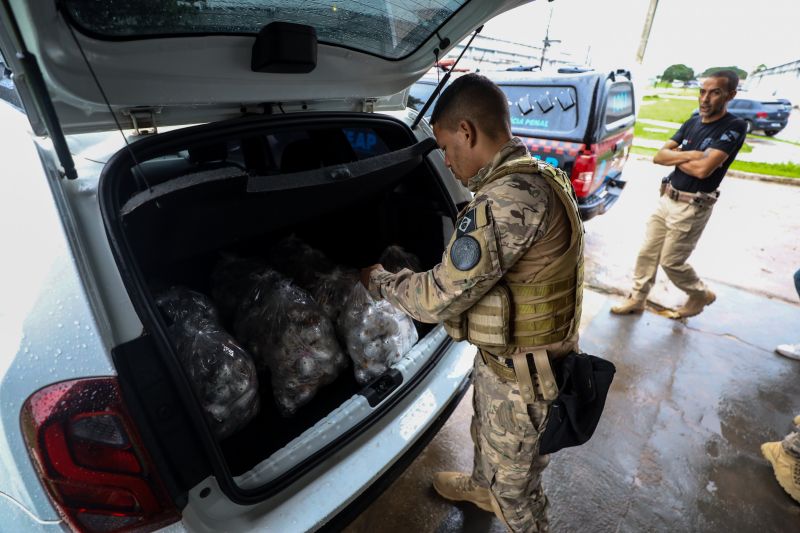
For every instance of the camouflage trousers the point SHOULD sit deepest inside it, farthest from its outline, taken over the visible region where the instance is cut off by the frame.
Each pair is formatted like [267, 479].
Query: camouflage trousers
[672, 234]
[506, 434]
[791, 443]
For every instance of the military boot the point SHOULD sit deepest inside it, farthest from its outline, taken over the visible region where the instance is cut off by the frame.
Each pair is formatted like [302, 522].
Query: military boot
[629, 307]
[785, 466]
[459, 487]
[695, 304]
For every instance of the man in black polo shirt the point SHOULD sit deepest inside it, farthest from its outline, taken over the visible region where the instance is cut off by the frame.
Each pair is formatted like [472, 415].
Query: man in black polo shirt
[701, 152]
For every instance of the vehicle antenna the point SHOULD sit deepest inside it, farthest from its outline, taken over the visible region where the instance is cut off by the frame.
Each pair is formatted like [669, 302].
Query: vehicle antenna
[547, 41]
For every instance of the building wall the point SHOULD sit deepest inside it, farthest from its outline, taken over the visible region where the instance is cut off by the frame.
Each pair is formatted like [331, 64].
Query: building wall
[782, 81]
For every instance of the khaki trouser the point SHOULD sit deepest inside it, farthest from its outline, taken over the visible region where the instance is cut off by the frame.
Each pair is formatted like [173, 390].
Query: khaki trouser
[672, 234]
[506, 434]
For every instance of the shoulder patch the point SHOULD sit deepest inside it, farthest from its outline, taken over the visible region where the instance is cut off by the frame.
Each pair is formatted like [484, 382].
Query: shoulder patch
[465, 253]
[467, 223]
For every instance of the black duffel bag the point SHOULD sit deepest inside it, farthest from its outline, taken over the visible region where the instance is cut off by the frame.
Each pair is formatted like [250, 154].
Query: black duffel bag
[583, 383]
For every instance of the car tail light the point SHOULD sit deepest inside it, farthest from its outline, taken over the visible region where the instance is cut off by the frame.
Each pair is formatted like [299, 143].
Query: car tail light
[583, 174]
[90, 458]
[761, 114]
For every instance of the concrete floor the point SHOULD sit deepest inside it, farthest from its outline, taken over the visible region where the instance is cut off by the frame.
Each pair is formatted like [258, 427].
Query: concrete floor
[678, 447]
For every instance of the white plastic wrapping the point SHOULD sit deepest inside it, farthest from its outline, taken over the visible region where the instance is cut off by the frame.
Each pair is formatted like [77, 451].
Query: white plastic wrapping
[221, 372]
[376, 333]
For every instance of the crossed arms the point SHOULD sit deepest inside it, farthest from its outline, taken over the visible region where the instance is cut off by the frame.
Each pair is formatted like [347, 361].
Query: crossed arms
[693, 162]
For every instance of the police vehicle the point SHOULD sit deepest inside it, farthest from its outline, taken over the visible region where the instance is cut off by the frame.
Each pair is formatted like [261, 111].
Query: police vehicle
[576, 119]
[149, 139]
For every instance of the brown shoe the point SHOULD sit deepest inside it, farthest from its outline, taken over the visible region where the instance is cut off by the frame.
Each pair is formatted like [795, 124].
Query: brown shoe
[785, 467]
[695, 304]
[629, 307]
[458, 487]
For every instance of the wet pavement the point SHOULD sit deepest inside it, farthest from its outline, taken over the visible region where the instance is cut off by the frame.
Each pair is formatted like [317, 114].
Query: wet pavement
[752, 240]
[678, 447]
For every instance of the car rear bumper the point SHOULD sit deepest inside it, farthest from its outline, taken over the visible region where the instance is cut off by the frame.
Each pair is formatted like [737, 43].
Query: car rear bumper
[768, 124]
[335, 485]
[602, 199]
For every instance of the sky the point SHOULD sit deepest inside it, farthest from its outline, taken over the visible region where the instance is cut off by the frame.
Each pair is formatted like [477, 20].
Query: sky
[697, 33]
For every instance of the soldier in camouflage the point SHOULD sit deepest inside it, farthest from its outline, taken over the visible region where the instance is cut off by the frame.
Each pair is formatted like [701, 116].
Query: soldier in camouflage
[784, 456]
[517, 226]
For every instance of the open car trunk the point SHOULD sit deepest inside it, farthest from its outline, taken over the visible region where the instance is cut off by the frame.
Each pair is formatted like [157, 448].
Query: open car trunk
[348, 185]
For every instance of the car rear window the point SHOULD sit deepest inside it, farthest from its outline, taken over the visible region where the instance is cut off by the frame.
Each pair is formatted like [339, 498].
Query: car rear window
[548, 109]
[418, 94]
[773, 106]
[387, 28]
[620, 103]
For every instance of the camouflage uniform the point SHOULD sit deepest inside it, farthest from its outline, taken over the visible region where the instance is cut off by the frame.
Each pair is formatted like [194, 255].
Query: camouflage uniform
[791, 443]
[505, 430]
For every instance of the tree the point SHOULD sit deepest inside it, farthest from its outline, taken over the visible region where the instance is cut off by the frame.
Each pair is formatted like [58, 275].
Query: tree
[759, 68]
[709, 71]
[677, 72]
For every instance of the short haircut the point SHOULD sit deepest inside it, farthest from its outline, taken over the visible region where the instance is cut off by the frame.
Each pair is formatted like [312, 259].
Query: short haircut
[732, 79]
[477, 99]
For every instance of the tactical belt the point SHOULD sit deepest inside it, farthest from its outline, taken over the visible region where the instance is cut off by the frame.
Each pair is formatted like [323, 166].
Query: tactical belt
[700, 199]
[537, 381]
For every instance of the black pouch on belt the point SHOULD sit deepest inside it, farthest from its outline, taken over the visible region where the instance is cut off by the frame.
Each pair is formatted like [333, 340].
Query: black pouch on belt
[663, 188]
[583, 383]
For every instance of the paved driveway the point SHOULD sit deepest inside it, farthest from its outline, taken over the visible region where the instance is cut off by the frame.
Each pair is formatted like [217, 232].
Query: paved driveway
[678, 447]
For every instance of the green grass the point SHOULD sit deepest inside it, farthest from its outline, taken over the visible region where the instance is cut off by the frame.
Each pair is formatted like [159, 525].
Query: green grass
[668, 109]
[773, 139]
[640, 132]
[642, 150]
[667, 88]
[786, 170]
[675, 110]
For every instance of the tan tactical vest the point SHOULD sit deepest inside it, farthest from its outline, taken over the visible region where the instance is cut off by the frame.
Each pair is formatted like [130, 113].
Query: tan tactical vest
[538, 300]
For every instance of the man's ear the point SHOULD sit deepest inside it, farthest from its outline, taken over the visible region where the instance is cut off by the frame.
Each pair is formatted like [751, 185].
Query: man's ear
[731, 96]
[469, 131]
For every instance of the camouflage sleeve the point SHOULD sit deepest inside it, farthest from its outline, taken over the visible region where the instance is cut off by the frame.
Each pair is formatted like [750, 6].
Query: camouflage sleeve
[496, 230]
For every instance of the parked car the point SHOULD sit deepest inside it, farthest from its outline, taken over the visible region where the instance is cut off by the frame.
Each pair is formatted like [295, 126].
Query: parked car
[580, 122]
[152, 143]
[769, 116]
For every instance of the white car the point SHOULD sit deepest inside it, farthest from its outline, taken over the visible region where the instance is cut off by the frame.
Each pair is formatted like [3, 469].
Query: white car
[154, 136]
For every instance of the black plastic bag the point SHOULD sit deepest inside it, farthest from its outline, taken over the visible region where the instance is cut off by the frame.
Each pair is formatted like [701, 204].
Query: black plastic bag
[395, 258]
[583, 383]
